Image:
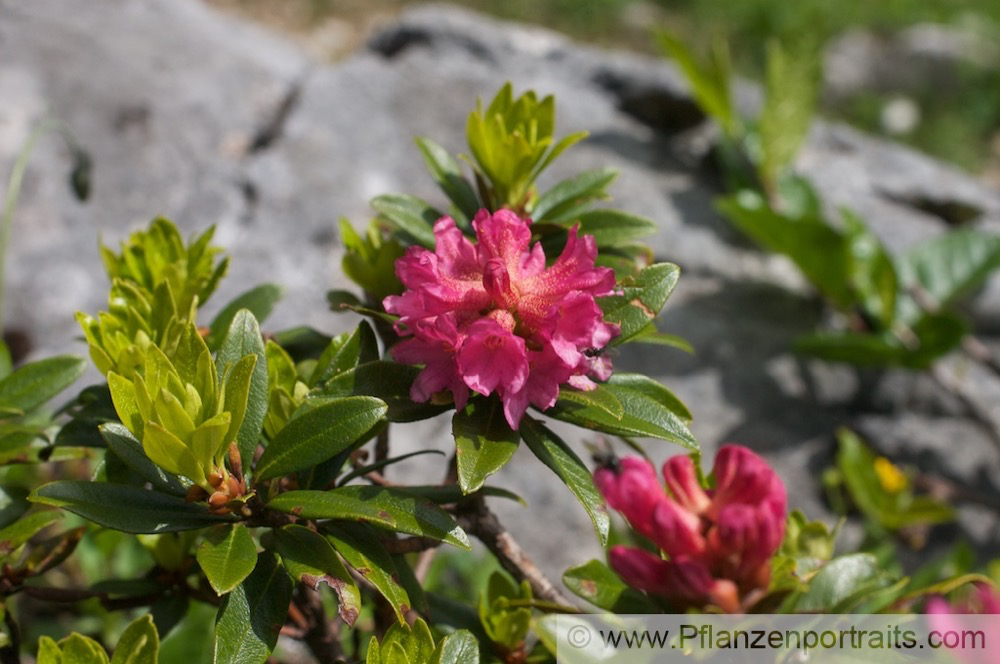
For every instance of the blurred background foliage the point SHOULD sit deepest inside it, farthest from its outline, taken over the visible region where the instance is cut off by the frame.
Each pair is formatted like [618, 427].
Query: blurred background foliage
[925, 72]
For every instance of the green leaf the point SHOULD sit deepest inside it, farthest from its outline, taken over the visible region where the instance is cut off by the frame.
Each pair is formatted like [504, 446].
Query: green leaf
[870, 270]
[840, 581]
[613, 228]
[818, 250]
[446, 494]
[6, 362]
[345, 353]
[653, 389]
[645, 413]
[650, 335]
[139, 643]
[389, 508]
[387, 381]
[573, 194]
[408, 214]
[311, 559]
[259, 301]
[557, 455]
[18, 533]
[127, 448]
[227, 556]
[595, 582]
[361, 549]
[35, 383]
[641, 299]
[126, 508]
[445, 171]
[320, 434]
[13, 503]
[936, 335]
[484, 442]
[951, 265]
[248, 622]
[80, 649]
[243, 339]
[458, 647]
[709, 80]
[790, 101]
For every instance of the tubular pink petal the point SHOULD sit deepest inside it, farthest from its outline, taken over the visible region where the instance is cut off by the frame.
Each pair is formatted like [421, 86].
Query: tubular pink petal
[682, 479]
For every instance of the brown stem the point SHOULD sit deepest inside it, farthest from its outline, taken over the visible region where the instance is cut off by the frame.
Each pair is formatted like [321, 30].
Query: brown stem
[382, 446]
[478, 520]
[321, 635]
[978, 351]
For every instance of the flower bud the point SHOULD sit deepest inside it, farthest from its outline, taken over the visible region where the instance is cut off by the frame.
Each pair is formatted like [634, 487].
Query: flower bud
[634, 490]
[640, 569]
[682, 480]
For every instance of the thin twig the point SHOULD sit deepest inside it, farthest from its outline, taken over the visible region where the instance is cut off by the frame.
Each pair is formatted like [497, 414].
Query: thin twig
[478, 520]
[321, 635]
[979, 353]
[382, 446]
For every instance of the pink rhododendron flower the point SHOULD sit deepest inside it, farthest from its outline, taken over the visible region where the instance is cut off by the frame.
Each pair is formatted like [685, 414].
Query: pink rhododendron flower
[716, 545]
[953, 618]
[492, 318]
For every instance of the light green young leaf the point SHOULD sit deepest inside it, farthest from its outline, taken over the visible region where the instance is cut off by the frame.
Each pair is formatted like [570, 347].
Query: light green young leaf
[139, 643]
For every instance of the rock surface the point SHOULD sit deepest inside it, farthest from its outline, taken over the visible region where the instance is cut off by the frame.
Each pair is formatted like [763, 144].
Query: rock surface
[206, 119]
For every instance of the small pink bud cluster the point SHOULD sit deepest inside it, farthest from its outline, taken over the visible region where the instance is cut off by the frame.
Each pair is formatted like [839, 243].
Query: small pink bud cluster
[493, 318]
[949, 619]
[718, 543]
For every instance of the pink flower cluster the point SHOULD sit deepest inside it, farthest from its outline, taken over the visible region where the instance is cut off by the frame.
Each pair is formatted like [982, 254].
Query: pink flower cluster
[718, 543]
[954, 619]
[491, 317]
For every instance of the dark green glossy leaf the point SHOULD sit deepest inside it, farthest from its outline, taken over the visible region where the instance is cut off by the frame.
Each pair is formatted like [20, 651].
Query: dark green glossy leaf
[641, 300]
[818, 250]
[556, 454]
[572, 194]
[360, 547]
[126, 508]
[341, 300]
[128, 449]
[259, 301]
[242, 339]
[388, 381]
[227, 556]
[484, 442]
[311, 559]
[345, 353]
[613, 228]
[35, 383]
[458, 647]
[248, 622]
[951, 265]
[595, 582]
[445, 171]
[644, 415]
[653, 389]
[389, 508]
[840, 580]
[870, 270]
[408, 214]
[320, 434]
[302, 343]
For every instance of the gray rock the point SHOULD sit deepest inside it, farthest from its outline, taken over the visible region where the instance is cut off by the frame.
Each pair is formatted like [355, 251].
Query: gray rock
[206, 119]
